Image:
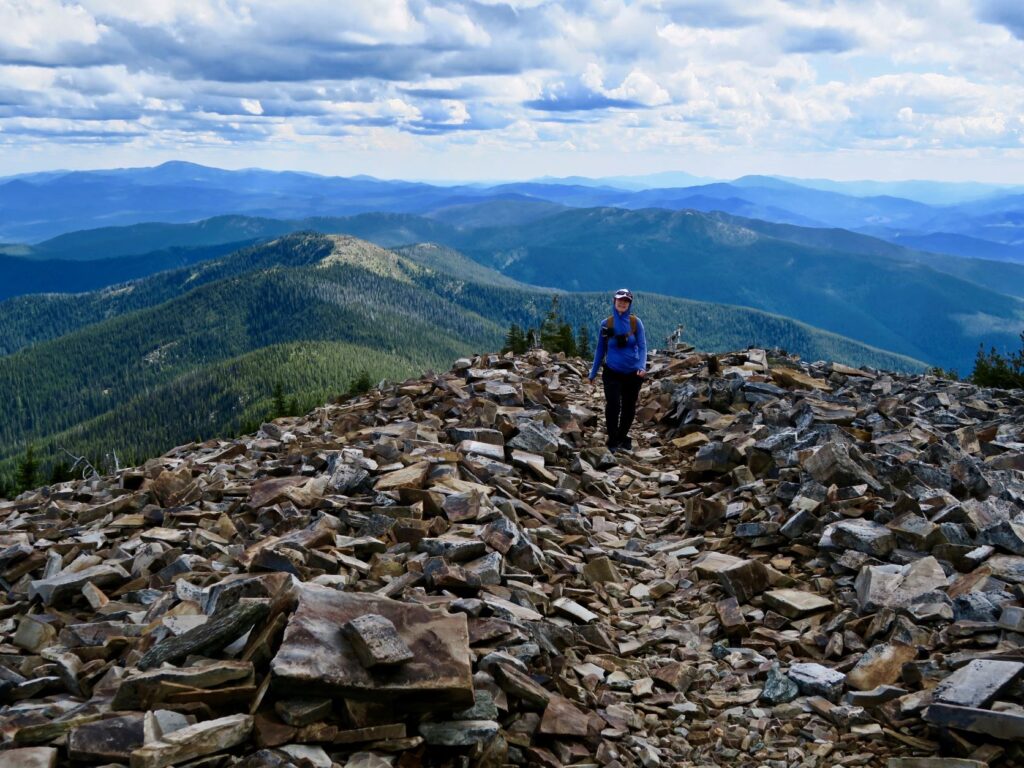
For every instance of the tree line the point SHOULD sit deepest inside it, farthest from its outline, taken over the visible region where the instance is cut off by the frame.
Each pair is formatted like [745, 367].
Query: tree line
[555, 334]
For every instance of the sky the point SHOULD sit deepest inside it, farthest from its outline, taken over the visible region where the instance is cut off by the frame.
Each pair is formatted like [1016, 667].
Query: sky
[482, 89]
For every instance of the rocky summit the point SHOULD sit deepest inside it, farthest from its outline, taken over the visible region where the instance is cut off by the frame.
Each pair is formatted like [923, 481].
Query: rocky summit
[799, 565]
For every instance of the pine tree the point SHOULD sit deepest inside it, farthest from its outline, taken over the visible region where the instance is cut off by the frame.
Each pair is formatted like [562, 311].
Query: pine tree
[293, 406]
[531, 338]
[360, 383]
[60, 472]
[550, 328]
[998, 370]
[278, 406]
[515, 340]
[27, 473]
[566, 340]
[583, 343]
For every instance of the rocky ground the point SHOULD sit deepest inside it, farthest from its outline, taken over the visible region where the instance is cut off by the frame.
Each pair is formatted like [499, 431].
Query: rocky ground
[799, 565]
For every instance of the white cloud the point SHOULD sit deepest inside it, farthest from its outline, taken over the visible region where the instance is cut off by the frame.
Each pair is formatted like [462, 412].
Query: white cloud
[43, 30]
[608, 78]
[252, 106]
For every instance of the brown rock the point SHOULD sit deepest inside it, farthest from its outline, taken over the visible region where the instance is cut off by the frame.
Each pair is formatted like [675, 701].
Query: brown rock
[563, 718]
[376, 641]
[315, 656]
[880, 665]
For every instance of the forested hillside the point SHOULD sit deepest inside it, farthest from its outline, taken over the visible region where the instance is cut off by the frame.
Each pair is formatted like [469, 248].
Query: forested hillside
[197, 352]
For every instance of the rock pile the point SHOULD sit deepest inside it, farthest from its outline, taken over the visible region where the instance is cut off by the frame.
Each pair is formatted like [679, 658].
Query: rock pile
[800, 565]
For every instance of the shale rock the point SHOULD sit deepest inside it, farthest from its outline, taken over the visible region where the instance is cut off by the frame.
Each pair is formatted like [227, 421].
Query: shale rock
[797, 566]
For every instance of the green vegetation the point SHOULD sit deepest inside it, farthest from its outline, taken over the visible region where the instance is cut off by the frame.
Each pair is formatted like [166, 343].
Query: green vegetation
[213, 350]
[926, 306]
[906, 305]
[997, 370]
[515, 340]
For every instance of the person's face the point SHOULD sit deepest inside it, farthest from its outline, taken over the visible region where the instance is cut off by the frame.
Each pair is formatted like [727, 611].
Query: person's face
[621, 305]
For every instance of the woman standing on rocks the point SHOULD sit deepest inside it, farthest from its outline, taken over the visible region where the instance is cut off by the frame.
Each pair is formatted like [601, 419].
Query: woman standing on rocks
[622, 348]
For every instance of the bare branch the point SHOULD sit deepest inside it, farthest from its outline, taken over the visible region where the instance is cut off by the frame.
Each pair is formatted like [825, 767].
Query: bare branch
[86, 464]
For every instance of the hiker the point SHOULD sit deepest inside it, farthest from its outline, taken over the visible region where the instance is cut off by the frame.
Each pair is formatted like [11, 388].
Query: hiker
[622, 348]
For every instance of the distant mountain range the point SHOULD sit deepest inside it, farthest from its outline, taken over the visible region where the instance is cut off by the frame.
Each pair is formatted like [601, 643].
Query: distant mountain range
[927, 306]
[965, 220]
[195, 352]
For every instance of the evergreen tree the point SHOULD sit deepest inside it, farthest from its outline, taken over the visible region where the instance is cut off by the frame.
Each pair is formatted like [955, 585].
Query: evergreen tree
[60, 472]
[515, 340]
[998, 370]
[566, 340]
[27, 476]
[583, 343]
[293, 406]
[360, 383]
[6, 487]
[551, 327]
[277, 406]
[531, 339]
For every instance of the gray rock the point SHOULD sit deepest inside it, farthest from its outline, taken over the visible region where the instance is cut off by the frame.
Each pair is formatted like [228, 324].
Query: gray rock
[894, 586]
[534, 437]
[977, 683]
[1005, 535]
[717, 457]
[864, 536]
[376, 641]
[67, 585]
[778, 688]
[833, 463]
[814, 679]
[460, 733]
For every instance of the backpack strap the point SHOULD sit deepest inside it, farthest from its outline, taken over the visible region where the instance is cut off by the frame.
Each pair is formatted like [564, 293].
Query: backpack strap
[610, 323]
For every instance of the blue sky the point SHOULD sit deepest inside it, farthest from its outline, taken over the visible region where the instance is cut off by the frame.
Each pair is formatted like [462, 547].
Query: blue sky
[487, 90]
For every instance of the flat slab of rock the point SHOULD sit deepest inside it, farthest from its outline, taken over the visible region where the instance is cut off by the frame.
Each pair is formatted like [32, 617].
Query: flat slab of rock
[1008, 726]
[376, 641]
[865, 536]
[141, 690]
[29, 757]
[795, 603]
[300, 712]
[113, 739]
[934, 762]
[193, 741]
[412, 476]
[459, 733]
[977, 683]
[317, 658]
[63, 587]
[563, 718]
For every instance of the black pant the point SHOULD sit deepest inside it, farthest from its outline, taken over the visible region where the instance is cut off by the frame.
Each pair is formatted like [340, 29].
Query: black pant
[621, 391]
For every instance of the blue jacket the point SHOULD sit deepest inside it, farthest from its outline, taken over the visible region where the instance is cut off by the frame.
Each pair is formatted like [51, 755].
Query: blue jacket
[628, 359]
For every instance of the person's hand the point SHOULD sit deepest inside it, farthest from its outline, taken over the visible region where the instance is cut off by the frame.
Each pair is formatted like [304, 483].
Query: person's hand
[589, 383]
[641, 373]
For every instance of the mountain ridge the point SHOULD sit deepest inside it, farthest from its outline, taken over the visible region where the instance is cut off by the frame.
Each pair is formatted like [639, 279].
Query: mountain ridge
[136, 341]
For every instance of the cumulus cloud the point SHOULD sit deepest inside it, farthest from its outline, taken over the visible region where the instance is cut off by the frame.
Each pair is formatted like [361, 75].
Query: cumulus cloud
[507, 76]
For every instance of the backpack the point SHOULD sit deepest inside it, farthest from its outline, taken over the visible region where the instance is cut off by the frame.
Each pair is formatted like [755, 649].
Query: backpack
[610, 323]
